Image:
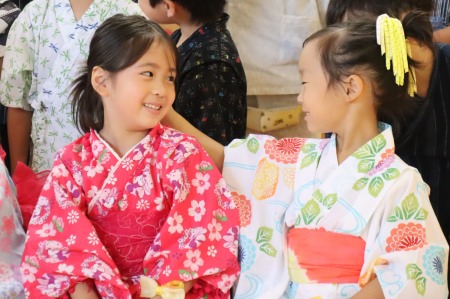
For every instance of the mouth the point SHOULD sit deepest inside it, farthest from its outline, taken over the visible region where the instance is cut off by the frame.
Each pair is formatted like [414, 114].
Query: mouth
[153, 107]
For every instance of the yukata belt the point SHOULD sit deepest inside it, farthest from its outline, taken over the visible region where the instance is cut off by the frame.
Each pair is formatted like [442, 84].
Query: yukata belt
[320, 256]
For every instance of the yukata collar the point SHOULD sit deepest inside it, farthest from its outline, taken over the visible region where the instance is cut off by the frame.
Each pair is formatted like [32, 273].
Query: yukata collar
[372, 155]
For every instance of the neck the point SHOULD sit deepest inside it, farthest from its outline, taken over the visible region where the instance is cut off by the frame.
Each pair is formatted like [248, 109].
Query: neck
[79, 7]
[187, 29]
[354, 135]
[121, 142]
[425, 57]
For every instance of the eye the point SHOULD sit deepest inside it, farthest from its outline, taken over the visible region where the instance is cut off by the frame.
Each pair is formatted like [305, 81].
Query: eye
[171, 78]
[148, 74]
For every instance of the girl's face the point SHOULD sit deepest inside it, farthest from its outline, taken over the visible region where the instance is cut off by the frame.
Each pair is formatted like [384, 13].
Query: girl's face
[139, 96]
[324, 107]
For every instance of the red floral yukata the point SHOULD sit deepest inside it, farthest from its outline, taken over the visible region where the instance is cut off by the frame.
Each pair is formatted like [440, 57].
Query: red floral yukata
[162, 210]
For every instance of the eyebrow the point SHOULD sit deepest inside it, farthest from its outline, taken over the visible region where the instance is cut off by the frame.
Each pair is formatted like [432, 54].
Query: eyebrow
[155, 65]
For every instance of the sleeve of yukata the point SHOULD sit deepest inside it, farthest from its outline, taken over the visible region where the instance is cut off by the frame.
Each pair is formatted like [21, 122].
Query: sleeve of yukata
[12, 239]
[411, 241]
[62, 247]
[18, 64]
[199, 239]
[211, 96]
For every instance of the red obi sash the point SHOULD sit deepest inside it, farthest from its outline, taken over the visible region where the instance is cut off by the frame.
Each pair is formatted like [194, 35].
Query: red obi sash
[327, 257]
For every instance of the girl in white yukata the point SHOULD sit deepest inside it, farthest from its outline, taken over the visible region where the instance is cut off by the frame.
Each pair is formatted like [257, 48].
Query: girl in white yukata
[342, 217]
[45, 48]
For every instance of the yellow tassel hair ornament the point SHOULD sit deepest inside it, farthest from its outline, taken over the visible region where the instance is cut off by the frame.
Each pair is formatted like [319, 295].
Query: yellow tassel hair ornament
[395, 46]
[171, 290]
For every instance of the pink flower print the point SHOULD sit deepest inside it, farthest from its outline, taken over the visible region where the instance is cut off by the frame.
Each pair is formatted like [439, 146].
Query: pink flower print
[127, 163]
[60, 171]
[204, 166]
[143, 205]
[47, 230]
[93, 239]
[193, 261]
[28, 272]
[73, 217]
[52, 252]
[93, 170]
[388, 158]
[5, 244]
[6, 273]
[201, 181]
[231, 240]
[214, 230]
[8, 224]
[406, 237]
[71, 240]
[212, 251]
[192, 238]
[175, 223]
[227, 282]
[97, 147]
[64, 268]
[197, 210]
[53, 285]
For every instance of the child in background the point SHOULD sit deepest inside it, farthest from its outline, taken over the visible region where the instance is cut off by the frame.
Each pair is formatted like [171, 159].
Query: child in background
[12, 237]
[131, 198]
[211, 92]
[349, 216]
[44, 48]
[424, 139]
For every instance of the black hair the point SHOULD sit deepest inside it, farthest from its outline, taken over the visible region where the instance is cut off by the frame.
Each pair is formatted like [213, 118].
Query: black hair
[202, 12]
[351, 47]
[119, 42]
[347, 10]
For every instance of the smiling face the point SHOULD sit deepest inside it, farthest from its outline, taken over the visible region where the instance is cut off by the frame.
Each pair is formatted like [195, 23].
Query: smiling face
[324, 106]
[138, 97]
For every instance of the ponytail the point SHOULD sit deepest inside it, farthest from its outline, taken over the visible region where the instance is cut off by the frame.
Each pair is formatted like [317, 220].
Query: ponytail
[87, 106]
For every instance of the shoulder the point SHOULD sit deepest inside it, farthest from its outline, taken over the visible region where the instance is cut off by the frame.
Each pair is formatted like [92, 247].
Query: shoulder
[73, 150]
[176, 143]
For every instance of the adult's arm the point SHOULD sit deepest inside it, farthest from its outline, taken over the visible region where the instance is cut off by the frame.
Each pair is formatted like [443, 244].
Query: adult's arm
[19, 130]
[214, 149]
[442, 35]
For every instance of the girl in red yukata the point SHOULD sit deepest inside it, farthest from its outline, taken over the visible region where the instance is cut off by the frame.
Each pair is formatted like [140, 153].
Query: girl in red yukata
[132, 209]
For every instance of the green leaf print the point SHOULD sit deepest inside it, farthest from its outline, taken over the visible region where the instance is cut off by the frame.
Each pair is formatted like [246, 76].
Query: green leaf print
[375, 186]
[330, 200]
[360, 184]
[186, 273]
[307, 148]
[421, 285]
[264, 234]
[268, 249]
[364, 166]
[308, 160]
[422, 214]
[391, 174]
[413, 271]
[298, 220]
[410, 205]
[378, 143]
[317, 195]
[396, 215]
[236, 143]
[310, 211]
[364, 152]
[253, 145]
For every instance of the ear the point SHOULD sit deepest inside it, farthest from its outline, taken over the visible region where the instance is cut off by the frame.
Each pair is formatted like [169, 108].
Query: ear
[353, 87]
[99, 81]
[171, 8]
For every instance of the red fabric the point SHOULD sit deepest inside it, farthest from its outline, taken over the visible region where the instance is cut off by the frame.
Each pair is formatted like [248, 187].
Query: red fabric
[29, 186]
[328, 257]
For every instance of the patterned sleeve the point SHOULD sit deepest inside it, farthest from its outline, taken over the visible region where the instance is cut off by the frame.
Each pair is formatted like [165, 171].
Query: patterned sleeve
[211, 97]
[62, 247]
[411, 241]
[18, 64]
[199, 239]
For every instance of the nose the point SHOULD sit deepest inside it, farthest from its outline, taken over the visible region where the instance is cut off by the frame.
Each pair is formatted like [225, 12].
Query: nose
[159, 88]
[300, 98]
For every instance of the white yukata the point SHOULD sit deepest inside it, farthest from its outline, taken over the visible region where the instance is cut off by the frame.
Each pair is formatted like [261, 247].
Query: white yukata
[44, 52]
[373, 195]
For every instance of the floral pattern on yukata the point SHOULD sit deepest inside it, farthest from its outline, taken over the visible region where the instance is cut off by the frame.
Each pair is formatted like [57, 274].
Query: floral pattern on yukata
[162, 210]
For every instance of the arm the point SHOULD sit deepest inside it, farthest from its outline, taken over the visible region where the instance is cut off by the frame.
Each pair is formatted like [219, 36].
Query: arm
[442, 35]
[212, 147]
[84, 290]
[371, 291]
[19, 130]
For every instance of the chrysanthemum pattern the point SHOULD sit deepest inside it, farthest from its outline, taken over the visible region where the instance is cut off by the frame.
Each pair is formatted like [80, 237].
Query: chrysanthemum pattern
[406, 237]
[284, 150]
[433, 262]
[244, 207]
